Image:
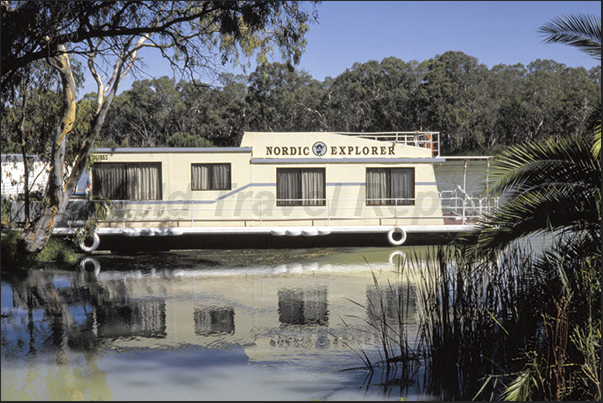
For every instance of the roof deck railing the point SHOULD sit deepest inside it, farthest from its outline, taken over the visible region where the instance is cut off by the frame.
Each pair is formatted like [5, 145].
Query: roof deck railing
[429, 140]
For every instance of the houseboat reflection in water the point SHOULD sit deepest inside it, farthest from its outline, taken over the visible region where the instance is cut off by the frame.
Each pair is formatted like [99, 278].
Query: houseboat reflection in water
[290, 315]
[160, 307]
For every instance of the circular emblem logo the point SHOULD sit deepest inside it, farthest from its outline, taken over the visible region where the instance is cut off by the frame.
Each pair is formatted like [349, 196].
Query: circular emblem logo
[319, 148]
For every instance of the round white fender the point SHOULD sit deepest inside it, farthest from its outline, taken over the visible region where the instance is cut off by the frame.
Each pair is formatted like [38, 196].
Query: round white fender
[401, 257]
[309, 232]
[95, 264]
[390, 236]
[93, 247]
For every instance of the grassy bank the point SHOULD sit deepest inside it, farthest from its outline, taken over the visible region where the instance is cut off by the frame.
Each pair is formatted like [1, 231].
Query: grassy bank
[58, 251]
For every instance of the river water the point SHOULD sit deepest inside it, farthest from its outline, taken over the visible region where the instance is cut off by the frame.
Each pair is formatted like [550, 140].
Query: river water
[209, 325]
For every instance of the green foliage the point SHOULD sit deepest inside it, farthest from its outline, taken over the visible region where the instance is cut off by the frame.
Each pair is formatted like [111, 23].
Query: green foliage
[546, 186]
[57, 251]
[187, 140]
[10, 256]
[5, 211]
[477, 110]
[279, 98]
[97, 211]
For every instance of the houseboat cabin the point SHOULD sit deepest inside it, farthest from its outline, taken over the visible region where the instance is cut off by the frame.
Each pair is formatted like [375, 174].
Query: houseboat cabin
[277, 185]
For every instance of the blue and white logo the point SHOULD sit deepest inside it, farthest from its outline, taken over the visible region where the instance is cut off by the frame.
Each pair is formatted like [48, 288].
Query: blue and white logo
[319, 148]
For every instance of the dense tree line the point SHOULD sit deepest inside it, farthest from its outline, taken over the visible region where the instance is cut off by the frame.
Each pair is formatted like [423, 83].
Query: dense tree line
[476, 109]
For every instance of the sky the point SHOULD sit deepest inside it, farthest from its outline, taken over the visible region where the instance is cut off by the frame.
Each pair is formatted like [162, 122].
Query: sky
[493, 32]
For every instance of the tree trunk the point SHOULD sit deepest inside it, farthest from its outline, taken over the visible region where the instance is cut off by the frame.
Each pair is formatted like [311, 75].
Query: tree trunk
[25, 185]
[35, 237]
[59, 190]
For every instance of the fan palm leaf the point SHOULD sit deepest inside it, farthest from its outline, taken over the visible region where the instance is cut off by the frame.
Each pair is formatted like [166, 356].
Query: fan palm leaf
[545, 186]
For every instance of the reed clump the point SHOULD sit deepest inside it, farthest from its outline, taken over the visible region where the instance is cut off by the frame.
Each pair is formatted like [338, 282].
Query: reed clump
[514, 326]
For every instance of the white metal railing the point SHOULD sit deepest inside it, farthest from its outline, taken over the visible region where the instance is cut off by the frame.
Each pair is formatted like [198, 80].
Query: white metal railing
[429, 140]
[447, 207]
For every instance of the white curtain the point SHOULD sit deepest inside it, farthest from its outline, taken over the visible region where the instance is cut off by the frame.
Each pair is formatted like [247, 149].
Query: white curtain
[389, 186]
[313, 187]
[220, 176]
[210, 176]
[300, 187]
[288, 187]
[109, 181]
[144, 181]
[200, 177]
[376, 186]
[403, 186]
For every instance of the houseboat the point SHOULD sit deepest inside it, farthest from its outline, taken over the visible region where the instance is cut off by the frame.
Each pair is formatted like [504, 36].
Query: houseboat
[289, 189]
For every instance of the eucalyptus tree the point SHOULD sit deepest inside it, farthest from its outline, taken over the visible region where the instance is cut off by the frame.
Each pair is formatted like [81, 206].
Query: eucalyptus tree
[141, 114]
[453, 98]
[374, 96]
[215, 113]
[281, 98]
[505, 85]
[25, 127]
[194, 36]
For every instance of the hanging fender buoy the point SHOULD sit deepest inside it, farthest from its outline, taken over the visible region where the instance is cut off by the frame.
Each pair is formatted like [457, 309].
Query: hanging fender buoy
[93, 247]
[390, 236]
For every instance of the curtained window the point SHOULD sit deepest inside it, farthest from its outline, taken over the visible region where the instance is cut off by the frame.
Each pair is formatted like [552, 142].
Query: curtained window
[390, 186]
[127, 181]
[210, 177]
[300, 187]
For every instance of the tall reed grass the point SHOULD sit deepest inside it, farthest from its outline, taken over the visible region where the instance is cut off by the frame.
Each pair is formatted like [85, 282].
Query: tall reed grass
[520, 326]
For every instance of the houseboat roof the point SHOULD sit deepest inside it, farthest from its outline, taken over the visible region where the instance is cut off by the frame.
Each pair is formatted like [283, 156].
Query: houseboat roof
[321, 145]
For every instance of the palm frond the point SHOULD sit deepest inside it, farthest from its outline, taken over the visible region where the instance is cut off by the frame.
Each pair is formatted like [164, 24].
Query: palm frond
[597, 143]
[578, 30]
[531, 165]
[546, 186]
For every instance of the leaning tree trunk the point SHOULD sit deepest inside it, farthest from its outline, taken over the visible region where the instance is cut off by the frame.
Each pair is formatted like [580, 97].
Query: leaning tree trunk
[35, 237]
[58, 190]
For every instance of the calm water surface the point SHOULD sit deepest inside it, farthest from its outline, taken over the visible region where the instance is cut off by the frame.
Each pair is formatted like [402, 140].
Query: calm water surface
[178, 326]
[208, 333]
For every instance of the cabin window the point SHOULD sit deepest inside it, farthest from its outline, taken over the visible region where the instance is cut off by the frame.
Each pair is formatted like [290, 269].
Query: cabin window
[390, 186]
[210, 177]
[300, 187]
[127, 181]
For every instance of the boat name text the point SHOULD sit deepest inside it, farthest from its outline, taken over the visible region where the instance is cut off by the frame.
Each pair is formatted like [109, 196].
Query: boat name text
[335, 150]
